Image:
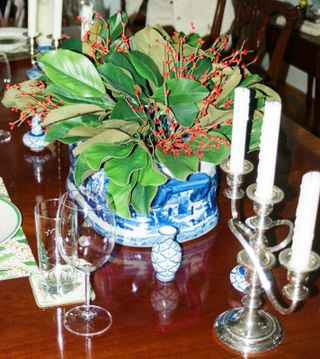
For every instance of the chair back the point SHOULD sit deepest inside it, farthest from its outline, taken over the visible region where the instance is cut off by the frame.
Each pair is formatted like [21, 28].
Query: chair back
[250, 27]
[217, 20]
[13, 14]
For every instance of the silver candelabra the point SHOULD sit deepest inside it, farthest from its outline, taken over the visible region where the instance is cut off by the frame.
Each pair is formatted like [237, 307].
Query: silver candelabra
[34, 52]
[249, 329]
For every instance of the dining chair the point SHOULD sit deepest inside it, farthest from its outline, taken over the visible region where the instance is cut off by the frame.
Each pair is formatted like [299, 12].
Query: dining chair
[217, 20]
[250, 28]
[13, 14]
[139, 21]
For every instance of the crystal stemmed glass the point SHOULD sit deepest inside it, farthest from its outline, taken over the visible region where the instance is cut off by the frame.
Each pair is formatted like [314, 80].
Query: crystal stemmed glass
[5, 78]
[84, 248]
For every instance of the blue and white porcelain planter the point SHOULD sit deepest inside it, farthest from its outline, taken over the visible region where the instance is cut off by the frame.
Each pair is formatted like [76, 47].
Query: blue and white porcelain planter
[188, 205]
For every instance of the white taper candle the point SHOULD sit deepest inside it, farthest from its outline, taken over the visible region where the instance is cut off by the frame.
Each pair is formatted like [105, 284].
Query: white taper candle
[32, 18]
[57, 20]
[86, 13]
[239, 129]
[305, 222]
[268, 151]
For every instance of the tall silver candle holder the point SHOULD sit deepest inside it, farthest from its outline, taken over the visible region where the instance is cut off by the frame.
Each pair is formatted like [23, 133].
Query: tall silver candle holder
[36, 70]
[249, 329]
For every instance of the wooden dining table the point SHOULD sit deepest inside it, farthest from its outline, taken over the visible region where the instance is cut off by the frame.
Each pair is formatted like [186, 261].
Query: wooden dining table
[151, 319]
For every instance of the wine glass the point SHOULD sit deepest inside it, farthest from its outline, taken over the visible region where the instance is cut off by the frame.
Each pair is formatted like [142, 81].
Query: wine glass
[87, 250]
[5, 79]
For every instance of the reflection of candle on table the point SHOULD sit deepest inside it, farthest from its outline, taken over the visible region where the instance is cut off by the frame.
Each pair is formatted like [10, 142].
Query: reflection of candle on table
[239, 129]
[306, 216]
[32, 18]
[268, 150]
[57, 20]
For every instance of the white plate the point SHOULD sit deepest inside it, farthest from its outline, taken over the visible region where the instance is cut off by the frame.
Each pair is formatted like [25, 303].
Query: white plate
[12, 38]
[10, 219]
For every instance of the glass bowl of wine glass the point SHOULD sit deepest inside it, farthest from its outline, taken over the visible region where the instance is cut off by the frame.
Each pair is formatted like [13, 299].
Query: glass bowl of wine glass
[82, 247]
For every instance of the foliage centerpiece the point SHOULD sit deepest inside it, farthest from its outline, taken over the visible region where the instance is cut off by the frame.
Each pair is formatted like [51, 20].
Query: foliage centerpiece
[135, 104]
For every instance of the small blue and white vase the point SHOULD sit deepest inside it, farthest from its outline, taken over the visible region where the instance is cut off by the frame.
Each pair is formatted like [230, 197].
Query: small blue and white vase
[35, 138]
[166, 254]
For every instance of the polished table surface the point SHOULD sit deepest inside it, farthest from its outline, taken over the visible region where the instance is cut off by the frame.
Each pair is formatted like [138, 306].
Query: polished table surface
[150, 320]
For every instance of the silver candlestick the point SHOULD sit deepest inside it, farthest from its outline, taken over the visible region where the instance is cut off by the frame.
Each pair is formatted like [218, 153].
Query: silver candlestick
[249, 329]
[234, 181]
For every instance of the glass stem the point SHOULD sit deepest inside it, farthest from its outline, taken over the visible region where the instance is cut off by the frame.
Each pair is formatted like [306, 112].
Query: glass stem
[87, 290]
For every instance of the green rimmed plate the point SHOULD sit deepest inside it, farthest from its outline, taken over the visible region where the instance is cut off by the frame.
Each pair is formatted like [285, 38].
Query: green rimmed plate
[10, 219]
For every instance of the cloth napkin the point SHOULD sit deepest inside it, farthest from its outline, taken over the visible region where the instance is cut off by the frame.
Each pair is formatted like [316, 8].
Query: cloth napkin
[16, 258]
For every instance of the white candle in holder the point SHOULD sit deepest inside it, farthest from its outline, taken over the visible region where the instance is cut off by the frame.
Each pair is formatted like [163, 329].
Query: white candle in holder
[239, 129]
[44, 22]
[57, 20]
[305, 222]
[32, 18]
[268, 151]
[86, 13]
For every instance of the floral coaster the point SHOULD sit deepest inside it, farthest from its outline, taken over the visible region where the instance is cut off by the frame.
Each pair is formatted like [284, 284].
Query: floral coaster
[44, 299]
[16, 258]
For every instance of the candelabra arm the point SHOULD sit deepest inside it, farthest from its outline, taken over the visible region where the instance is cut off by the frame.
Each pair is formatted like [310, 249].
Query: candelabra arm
[234, 224]
[277, 306]
[287, 240]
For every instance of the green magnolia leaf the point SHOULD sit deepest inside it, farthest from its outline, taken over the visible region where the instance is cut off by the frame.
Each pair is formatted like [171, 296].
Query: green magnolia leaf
[66, 112]
[145, 67]
[215, 116]
[108, 136]
[13, 97]
[74, 72]
[72, 44]
[118, 78]
[115, 24]
[119, 170]
[268, 91]
[84, 132]
[158, 55]
[121, 196]
[202, 67]
[81, 170]
[124, 111]
[121, 59]
[147, 38]
[192, 39]
[185, 113]
[142, 197]
[226, 131]
[104, 101]
[99, 153]
[59, 130]
[130, 127]
[250, 80]
[150, 174]
[180, 166]
[230, 83]
[181, 90]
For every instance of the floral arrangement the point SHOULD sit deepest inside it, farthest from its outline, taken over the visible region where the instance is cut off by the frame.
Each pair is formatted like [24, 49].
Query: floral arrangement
[135, 104]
